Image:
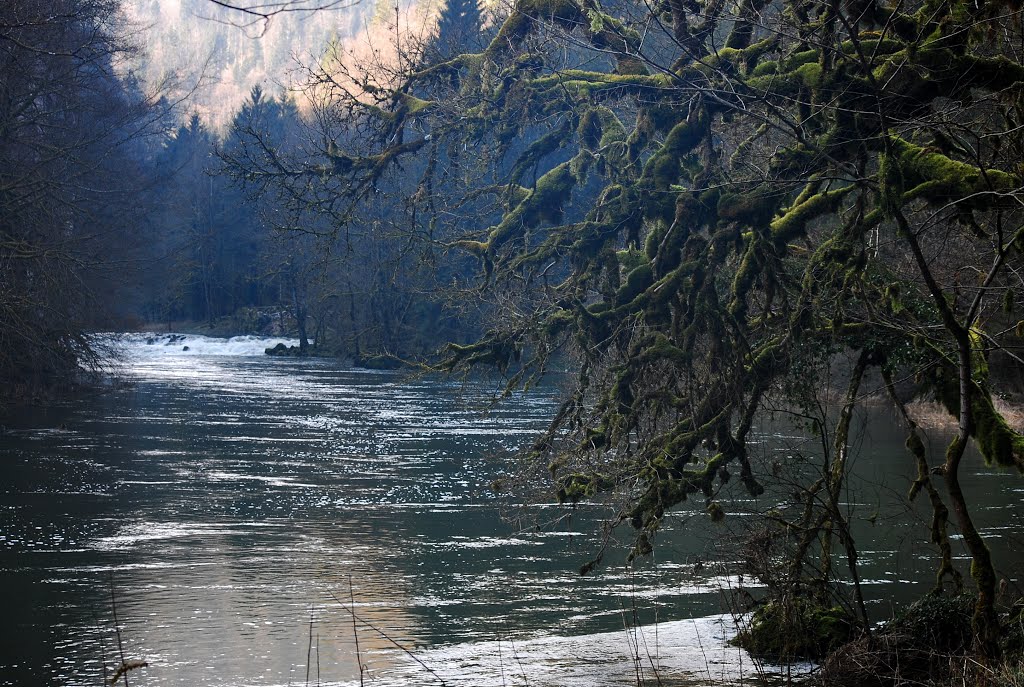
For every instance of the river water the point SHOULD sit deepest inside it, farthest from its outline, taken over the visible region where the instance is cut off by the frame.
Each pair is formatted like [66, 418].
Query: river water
[268, 521]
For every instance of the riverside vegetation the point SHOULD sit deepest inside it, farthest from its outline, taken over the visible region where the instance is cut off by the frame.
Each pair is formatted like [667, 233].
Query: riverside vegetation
[707, 205]
[708, 210]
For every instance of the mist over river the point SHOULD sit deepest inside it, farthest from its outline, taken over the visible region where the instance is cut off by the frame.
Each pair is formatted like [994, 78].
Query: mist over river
[237, 504]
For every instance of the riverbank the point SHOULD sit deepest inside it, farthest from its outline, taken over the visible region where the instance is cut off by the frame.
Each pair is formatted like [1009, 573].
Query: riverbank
[931, 415]
[927, 643]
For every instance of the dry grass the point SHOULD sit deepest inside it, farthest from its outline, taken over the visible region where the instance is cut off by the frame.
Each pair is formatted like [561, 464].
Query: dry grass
[970, 673]
[1011, 674]
[893, 661]
[885, 660]
[931, 415]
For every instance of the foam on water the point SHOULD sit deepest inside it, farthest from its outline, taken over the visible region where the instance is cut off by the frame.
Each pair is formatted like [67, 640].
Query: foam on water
[151, 344]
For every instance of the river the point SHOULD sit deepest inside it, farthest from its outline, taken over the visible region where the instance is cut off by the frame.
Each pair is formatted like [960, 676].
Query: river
[234, 509]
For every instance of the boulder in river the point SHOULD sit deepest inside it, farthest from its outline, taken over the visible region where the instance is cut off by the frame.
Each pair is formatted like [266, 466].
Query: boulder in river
[283, 350]
[379, 362]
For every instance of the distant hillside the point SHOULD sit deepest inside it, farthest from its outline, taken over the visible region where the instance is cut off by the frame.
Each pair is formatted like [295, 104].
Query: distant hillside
[184, 39]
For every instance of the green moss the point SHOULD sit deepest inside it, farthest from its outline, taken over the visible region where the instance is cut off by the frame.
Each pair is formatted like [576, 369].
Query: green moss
[729, 59]
[788, 78]
[743, 28]
[751, 56]
[743, 280]
[798, 60]
[763, 358]
[810, 75]
[685, 136]
[874, 46]
[578, 486]
[583, 82]
[538, 150]
[943, 623]
[637, 282]
[664, 166]
[495, 351]
[599, 128]
[890, 179]
[662, 349]
[544, 203]
[795, 629]
[766, 69]
[477, 248]
[589, 129]
[526, 15]
[793, 221]
[653, 241]
[630, 259]
[715, 511]
[607, 32]
[992, 73]
[997, 441]
[754, 207]
[946, 178]
[414, 105]
[663, 170]
[558, 321]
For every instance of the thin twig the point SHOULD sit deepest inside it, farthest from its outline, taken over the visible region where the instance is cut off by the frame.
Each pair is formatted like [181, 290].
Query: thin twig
[309, 645]
[355, 630]
[117, 628]
[515, 655]
[385, 635]
[103, 648]
[501, 662]
[634, 652]
[700, 644]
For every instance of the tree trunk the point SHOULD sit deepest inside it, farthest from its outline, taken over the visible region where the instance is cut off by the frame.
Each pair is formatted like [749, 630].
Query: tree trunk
[300, 318]
[985, 623]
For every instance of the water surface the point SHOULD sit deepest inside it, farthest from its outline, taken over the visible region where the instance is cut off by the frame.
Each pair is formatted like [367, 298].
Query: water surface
[234, 508]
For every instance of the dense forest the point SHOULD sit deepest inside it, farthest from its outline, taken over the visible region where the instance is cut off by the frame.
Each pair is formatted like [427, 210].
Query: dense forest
[73, 140]
[705, 210]
[229, 256]
[114, 216]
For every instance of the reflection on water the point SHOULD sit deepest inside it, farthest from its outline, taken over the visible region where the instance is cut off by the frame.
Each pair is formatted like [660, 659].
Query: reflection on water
[239, 505]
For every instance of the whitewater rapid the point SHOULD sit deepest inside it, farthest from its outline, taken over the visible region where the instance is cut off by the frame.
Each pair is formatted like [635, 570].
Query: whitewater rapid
[153, 344]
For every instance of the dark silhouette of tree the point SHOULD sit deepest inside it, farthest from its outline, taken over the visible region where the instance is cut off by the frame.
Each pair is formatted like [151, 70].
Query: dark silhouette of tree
[205, 233]
[70, 132]
[368, 293]
[459, 29]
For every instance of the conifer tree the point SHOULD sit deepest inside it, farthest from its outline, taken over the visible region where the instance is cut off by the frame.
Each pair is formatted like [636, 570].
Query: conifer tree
[459, 29]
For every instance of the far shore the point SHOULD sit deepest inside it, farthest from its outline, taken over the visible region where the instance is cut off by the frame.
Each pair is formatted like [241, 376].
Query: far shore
[932, 415]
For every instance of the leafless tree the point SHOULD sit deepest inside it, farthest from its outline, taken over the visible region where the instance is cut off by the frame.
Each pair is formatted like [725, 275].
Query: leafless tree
[68, 126]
